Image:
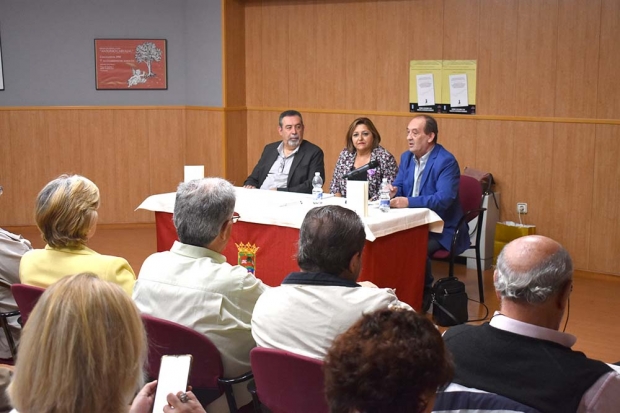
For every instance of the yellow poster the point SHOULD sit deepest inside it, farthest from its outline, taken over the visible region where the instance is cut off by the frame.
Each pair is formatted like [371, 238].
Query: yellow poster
[442, 86]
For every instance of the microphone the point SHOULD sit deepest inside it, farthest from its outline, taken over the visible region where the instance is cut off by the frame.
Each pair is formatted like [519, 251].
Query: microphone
[362, 169]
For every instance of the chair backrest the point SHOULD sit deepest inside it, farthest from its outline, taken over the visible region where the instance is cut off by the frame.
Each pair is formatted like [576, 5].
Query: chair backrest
[470, 196]
[168, 338]
[26, 297]
[287, 382]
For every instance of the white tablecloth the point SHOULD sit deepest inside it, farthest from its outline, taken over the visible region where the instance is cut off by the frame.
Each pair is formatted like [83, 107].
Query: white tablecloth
[287, 209]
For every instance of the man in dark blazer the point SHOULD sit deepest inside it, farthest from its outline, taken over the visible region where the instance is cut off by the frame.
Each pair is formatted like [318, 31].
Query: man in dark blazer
[428, 177]
[290, 164]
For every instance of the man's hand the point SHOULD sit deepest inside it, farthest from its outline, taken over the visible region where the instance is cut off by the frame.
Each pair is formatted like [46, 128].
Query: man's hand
[399, 202]
[249, 186]
[393, 190]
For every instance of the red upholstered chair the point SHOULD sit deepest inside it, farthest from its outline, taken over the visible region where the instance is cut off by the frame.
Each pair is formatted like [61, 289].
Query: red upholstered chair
[287, 382]
[470, 198]
[206, 377]
[26, 297]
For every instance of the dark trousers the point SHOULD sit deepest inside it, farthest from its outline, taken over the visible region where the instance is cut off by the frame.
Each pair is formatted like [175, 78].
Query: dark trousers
[433, 246]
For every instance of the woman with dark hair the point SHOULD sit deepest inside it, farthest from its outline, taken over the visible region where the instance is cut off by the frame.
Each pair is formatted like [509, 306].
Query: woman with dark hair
[389, 361]
[362, 142]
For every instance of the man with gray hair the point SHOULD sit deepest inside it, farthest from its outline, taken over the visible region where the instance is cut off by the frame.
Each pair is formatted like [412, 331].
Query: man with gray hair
[313, 306]
[521, 354]
[193, 285]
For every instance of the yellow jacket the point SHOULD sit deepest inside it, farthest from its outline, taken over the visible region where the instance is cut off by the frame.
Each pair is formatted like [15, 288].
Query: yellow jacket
[44, 267]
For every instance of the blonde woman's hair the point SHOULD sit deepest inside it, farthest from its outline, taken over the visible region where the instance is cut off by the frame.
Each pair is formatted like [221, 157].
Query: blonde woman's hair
[66, 209]
[82, 350]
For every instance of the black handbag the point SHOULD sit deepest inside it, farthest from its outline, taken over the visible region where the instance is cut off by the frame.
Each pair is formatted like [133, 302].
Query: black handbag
[449, 302]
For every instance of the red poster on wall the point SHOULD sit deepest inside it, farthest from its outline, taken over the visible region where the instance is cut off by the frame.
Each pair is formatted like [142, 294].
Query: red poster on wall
[126, 64]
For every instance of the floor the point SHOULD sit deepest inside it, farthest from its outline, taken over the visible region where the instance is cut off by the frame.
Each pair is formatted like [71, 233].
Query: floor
[594, 306]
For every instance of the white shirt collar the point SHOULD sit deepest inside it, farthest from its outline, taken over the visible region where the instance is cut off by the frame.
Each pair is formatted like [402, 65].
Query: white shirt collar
[502, 322]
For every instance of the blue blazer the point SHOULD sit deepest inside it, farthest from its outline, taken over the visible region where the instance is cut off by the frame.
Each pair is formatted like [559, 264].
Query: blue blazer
[439, 191]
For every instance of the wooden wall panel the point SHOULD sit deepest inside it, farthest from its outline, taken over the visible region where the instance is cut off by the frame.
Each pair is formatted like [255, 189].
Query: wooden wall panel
[459, 137]
[205, 140]
[328, 132]
[7, 204]
[604, 242]
[254, 73]
[572, 174]
[330, 49]
[237, 147]
[427, 30]
[578, 41]
[276, 50]
[234, 53]
[461, 25]
[497, 63]
[166, 131]
[392, 57]
[361, 81]
[536, 57]
[495, 153]
[301, 54]
[609, 61]
[533, 157]
[263, 129]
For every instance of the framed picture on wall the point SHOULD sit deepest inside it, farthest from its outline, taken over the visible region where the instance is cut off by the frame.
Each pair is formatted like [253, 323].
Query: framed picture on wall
[1, 71]
[131, 64]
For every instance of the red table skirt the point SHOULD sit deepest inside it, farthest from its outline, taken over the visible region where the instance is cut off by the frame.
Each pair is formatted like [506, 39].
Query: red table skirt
[396, 261]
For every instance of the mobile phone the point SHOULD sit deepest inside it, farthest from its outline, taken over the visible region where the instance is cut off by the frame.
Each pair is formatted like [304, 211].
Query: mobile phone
[173, 377]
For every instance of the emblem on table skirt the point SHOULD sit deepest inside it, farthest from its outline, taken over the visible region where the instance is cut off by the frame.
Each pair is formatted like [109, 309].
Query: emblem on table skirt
[247, 256]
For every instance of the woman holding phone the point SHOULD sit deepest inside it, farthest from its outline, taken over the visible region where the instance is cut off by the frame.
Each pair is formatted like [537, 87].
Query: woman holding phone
[83, 350]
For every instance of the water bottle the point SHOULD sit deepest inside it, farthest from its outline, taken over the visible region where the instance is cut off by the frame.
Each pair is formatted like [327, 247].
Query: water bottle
[317, 189]
[384, 196]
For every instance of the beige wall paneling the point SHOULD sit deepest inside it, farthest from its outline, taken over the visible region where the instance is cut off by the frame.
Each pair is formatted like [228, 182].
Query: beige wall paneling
[461, 20]
[254, 73]
[360, 57]
[393, 130]
[533, 160]
[7, 204]
[328, 131]
[204, 142]
[65, 140]
[579, 26]
[393, 51]
[114, 144]
[495, 153]
[605, 217]
[536, 57]
[459, 136]
[276, 52]
[262, 129]
[29, 163]
[301, 53]
[572, 188]
[609, 61]
[234, 53]
[426, 33]
[166, 132]
[497, 59]
[329, 35]
[237, 147]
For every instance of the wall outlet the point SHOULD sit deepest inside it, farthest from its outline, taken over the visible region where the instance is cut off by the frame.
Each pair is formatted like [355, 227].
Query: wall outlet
[521, 208]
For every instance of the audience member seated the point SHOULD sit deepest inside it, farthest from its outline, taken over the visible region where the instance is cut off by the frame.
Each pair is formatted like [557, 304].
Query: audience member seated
[12, 247]
[82, 350]
[66, 214]
[388, 361]
[289, 164]
[314, 306]
[362, 146]
[521, 354]
[193, 285]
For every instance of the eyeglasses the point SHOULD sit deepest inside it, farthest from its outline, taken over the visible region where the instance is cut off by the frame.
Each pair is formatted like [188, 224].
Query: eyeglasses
[235, 218]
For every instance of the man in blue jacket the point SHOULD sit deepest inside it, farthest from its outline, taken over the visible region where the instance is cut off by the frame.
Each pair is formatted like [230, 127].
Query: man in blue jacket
[428, 177]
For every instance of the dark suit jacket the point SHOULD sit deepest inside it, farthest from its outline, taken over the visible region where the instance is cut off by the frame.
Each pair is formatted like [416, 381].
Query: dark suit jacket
[307, 161]
[439, 191]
